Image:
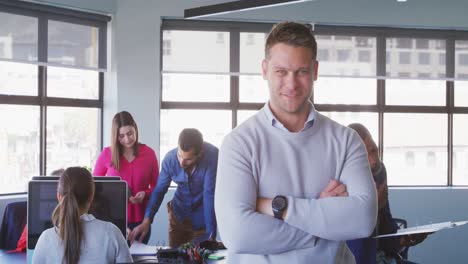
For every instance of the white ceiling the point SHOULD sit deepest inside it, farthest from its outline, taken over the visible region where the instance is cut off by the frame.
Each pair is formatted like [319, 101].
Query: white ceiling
[446, 14]
[413, 13]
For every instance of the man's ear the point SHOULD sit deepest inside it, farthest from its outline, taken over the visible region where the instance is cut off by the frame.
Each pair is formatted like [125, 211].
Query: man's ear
[264, 68]
[316, 66]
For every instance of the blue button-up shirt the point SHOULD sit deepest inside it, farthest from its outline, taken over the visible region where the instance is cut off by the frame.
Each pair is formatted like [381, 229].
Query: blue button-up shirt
[194, 196]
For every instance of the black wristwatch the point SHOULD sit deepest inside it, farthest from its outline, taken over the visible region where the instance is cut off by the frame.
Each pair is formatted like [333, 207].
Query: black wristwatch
[279, 204]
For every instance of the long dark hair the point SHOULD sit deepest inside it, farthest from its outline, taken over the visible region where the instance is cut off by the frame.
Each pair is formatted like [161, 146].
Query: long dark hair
[121, 119]
[76, 187]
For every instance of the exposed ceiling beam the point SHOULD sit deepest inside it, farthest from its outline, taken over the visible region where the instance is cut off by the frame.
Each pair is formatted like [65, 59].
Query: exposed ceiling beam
[234, 6]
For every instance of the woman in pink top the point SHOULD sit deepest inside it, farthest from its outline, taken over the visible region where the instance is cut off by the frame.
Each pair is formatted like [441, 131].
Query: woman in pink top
[134, 162]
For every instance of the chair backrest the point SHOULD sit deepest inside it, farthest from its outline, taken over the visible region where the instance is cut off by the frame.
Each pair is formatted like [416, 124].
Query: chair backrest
[14, 221]
[401, 223]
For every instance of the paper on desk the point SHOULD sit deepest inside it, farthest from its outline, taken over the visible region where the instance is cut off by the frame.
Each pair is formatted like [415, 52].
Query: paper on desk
[219, 253]
[140, 249]
[425, 229]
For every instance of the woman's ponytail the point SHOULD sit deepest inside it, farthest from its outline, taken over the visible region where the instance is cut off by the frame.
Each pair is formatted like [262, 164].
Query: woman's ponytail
[76, 189]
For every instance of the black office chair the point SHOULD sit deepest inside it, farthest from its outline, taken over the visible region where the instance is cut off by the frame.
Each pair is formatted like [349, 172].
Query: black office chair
[14, 220]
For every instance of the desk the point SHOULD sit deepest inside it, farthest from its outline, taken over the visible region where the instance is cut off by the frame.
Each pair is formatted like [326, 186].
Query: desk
[20, 258]
[12, 258]
[152, 259]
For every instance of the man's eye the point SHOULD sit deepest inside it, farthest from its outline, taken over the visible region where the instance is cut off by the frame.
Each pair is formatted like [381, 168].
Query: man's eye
[281, 72]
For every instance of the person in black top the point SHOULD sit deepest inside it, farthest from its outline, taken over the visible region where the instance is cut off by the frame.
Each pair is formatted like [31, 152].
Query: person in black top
[388, 248]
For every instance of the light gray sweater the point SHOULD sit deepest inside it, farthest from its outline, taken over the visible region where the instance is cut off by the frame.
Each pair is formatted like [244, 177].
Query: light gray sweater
[259, 160]
[103, 243]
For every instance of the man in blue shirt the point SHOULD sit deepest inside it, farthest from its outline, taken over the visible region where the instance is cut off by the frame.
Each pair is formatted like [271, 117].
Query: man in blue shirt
[192, 166]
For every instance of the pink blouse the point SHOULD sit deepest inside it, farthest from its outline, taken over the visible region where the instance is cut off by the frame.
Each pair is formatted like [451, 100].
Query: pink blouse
[141, 174]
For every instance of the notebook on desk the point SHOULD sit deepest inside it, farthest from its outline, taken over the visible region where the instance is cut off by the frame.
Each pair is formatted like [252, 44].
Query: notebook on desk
[140, 249]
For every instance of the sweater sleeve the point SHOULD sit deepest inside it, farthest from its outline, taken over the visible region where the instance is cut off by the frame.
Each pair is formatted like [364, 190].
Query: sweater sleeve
[40, 252]
[157, 196]
[324, 217]
[241, 227]
[154, 175]
[100, 168]
[122, 251]
[208, 195]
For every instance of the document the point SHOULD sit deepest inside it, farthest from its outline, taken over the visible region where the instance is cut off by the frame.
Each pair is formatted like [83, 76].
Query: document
[425, 229]
[140, 249]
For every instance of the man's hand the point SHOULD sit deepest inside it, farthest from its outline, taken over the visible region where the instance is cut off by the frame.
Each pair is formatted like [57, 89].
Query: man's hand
[264, 206]
[413, 239]
[334, 189]
[140, 231]
[138, 198]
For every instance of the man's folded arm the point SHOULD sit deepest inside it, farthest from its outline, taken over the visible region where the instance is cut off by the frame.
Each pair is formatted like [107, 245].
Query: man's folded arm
[340, 218]
[242, 229]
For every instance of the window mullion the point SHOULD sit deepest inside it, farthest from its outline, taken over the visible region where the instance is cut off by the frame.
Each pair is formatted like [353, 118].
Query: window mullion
[234, 66]
[450, 99]
[42, 90]
[381, 71]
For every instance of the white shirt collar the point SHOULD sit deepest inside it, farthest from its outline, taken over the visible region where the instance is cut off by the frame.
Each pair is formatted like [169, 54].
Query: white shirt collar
[87, 217]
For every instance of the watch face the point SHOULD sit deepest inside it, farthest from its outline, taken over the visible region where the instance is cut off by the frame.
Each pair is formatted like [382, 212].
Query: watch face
[278, 203]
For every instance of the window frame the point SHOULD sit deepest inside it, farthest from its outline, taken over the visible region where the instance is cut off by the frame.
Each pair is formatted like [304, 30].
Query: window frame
[44, 13]
[380, 33]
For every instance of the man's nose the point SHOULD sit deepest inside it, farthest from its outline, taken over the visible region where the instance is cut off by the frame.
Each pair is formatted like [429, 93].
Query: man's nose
[291, 80]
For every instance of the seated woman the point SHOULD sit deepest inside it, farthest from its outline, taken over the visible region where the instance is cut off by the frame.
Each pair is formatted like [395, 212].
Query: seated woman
[78, 237]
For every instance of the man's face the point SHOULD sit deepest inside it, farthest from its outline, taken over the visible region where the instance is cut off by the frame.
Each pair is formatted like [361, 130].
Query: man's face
[187, 159]
[290, 72]
[372, 154]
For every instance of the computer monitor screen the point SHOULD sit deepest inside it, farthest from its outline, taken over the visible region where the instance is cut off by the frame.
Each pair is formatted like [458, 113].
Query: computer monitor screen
[109, 204]
[56, 178]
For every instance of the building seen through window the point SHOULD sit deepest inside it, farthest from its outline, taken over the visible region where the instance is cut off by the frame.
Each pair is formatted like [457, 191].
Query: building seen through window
[401, 97]
[51, 97]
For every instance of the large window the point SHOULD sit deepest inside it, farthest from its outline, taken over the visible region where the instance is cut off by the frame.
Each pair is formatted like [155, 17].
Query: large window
[415, 148]
[409, 87]
[51, 81]
[214, 88]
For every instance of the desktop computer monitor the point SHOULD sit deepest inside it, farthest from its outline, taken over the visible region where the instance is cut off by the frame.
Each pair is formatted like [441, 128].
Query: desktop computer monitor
[109, 204]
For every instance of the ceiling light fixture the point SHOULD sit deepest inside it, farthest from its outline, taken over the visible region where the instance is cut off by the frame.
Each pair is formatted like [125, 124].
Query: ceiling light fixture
[234, 6]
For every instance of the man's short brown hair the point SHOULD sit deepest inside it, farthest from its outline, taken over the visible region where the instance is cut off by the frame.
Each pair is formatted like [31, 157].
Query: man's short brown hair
[293, 34]
[191, 138]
